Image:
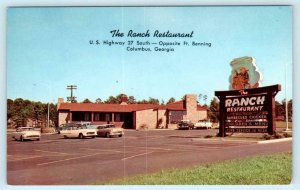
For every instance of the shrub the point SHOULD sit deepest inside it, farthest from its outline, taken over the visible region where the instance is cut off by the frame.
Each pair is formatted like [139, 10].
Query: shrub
[286, 135]
[159, 122]
[277, 136]
[267, 137]
[48, 130]
[144, 126]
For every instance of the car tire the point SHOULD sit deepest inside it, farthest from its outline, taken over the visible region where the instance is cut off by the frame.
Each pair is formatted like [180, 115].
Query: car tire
[65, 137]
[107, 135]
[120, 135]
[21, 138]
[37, 139]
[93, 137]
[81, 136]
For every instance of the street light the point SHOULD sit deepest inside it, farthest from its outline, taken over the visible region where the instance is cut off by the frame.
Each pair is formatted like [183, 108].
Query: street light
[48, 104]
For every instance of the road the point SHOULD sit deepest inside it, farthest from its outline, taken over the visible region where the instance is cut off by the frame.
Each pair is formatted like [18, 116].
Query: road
[57, 161]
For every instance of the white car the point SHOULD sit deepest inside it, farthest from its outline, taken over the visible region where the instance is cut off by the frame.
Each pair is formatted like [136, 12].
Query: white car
[203, 124]
[26, 133]
[109, 130]
[76, 131]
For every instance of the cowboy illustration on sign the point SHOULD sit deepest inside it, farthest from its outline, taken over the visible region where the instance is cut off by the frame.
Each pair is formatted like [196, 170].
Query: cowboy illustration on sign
[244, 74]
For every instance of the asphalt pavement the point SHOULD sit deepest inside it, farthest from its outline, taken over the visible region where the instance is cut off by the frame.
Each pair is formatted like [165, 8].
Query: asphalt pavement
[57, 161]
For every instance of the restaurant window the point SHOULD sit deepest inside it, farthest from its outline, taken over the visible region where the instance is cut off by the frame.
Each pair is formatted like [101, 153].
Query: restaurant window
[102, 116]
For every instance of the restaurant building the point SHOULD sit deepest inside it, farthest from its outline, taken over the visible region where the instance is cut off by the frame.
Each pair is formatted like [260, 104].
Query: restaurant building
[133, 116]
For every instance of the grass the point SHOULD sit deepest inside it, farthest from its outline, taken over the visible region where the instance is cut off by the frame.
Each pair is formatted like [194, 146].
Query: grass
[272, 169]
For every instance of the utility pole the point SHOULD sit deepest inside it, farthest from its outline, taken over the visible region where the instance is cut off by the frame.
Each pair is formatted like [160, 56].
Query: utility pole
[72, 98]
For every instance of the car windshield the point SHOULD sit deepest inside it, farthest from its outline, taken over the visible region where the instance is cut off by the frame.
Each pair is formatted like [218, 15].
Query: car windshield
[25, 129]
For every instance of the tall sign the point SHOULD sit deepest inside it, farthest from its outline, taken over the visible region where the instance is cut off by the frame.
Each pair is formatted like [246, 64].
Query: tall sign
[247, 107]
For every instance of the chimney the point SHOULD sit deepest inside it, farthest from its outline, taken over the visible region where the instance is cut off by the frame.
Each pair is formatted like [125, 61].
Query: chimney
[191, 107]
[124, 100]
[59, 101]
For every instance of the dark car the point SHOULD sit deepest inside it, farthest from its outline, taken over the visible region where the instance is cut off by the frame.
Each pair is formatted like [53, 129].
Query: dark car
[185, 124]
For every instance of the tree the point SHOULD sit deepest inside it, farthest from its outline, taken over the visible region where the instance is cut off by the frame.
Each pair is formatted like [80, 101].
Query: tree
[289, 106]
[213, 111]
[142, 101]
[86, 101]
[20, 111]
[199, 98]
[153, 101]
[10, 111]
[111, 100]
[171, 100]
[99, 101]
[131, 100]
[205, 98]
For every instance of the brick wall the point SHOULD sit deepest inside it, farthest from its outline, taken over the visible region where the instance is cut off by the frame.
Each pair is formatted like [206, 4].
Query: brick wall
[63, 117]
[146, 117]
[192, 113]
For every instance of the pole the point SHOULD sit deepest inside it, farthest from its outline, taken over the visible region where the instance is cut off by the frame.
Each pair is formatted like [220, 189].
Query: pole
[48, 116]
[286, 101]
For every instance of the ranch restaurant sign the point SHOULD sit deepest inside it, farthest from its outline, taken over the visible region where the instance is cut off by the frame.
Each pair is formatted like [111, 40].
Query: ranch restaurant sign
[248, 111]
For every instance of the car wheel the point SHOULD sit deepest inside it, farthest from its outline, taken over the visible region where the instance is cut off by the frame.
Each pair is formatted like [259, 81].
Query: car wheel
[21, 138]
[37, 139]
[81, 136]
[93, 137]
[65, 137]
[120, 135]
[107, 135]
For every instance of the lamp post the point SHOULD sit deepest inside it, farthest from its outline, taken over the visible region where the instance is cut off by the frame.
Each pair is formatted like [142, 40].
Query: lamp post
[48, 103]
[286, 101]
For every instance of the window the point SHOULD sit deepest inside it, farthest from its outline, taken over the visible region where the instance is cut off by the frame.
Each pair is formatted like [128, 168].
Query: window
[119, 117]
[102, 116]
[176, 116]
[81, 116]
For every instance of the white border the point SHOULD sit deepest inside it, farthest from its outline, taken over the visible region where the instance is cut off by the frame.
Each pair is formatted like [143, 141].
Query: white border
[296, 92]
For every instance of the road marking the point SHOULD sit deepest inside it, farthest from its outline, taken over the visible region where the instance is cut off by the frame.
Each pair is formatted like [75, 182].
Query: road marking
[51, 152]
[154, 148]
[137, 155]
[195, 147]
[18, 159]
[102, 150]
[47, 163]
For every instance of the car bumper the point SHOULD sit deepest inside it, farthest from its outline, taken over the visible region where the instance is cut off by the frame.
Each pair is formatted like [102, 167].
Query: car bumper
[32, 137]
[117, 133]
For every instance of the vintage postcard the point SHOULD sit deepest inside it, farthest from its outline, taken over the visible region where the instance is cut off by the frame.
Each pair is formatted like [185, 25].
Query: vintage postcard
[178, 95]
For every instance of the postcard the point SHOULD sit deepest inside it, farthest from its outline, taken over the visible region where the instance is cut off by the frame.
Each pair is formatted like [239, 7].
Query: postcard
[163, 95]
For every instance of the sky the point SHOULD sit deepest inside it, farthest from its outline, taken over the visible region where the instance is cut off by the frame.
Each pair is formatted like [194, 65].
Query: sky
[48, 49]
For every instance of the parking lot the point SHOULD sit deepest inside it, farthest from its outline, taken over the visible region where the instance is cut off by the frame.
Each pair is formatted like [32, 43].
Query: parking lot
[54, 160]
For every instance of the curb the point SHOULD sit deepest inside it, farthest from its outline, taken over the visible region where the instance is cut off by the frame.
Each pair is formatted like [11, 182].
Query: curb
[275, 140]
[223, 140]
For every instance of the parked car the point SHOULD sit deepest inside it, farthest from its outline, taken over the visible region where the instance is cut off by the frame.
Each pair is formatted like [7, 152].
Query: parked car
[203, 124]
[109, 130]
[185, 124]
[26, 133]
[78, 131]
[77, 124]
[62, 127]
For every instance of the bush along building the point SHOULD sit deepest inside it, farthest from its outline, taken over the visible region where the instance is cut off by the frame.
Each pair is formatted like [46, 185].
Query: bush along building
[133, 116]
